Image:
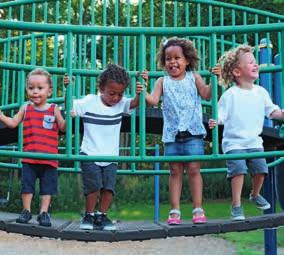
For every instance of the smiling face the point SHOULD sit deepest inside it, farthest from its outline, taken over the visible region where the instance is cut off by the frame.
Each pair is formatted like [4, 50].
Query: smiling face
[112, 92]
[38, 89]
[175, 62]
[247, 70]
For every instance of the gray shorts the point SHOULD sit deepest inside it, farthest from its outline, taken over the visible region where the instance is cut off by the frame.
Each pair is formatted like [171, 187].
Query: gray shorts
[242, 166]
[97, 177]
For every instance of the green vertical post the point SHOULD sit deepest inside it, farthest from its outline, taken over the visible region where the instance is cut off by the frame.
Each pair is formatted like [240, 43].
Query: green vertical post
[21, 91]
[281, 50]
[115, 40]
[93, 50]
[69, 95]
[213, 56]
[142, 103]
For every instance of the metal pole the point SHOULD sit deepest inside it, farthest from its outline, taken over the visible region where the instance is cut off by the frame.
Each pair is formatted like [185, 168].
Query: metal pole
[157, 187]
[270, 235]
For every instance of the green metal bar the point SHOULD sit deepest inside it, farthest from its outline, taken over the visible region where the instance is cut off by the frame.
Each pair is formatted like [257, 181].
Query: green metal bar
[213, 57]
[69, 96]
[175, 14]
[115, 39]
[245, 36]
[66, 157]
[104, 50]
[164, 31]
[281, 50]
[142, 104]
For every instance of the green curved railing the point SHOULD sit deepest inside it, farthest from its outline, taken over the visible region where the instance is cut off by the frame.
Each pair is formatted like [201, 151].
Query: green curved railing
[80, 37]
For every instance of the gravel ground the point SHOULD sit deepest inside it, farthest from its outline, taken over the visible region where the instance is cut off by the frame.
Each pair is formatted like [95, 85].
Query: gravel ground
[15, 244]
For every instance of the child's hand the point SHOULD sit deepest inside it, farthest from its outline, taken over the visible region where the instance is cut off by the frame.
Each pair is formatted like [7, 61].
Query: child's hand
[212, 123]
[217, 70]
[66, 80]
[139, 88]
[145, 77]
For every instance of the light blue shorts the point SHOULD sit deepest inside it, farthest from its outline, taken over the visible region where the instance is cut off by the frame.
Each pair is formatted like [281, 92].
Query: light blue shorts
[243, 166]
[191, 146]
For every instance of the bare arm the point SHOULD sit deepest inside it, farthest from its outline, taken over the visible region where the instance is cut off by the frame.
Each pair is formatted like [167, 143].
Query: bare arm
[154, 97]
[277, 114]
[203, 89]
[59, 119]
[14, 121]
[135, 101]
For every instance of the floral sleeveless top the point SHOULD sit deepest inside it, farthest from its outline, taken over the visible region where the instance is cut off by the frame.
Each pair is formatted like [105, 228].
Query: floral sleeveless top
[182, 110]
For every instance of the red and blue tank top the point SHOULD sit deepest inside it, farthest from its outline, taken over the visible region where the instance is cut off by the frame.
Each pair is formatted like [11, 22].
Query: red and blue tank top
[40, 133]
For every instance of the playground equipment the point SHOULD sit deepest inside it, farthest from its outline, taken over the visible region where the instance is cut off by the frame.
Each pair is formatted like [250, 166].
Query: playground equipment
[80, 37]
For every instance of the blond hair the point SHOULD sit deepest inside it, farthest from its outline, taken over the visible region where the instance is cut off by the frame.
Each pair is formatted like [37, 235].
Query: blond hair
[230, 60]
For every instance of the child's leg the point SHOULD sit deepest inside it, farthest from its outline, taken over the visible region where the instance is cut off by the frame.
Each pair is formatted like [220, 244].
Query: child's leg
[237, 185]
[91, 201]
[257, 182]
[195, 183]
[45, 202]
[27, 200]
[105, 200]
[175, 184]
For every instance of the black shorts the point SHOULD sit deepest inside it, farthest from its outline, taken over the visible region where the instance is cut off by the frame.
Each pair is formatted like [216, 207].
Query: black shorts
[97, 177]
[47, 175]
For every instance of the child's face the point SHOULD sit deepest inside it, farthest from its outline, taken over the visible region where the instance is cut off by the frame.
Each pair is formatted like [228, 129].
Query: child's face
[38, 90]
[247, 69]
[112, 93]
[175, 62]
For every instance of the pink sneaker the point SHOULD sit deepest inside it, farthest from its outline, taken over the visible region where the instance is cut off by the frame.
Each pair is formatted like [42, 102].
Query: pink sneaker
[198, 216]
[174, 220]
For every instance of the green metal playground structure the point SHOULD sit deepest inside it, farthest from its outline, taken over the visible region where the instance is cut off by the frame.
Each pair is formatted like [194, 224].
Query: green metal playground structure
[80, 37]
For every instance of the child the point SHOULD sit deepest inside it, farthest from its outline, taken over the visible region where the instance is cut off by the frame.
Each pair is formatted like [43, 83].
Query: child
[242, 109]
[102, 115]
[41, 122]
[183, 132]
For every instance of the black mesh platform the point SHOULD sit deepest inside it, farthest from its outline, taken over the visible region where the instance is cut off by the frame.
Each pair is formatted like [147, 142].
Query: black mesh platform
[136, 231]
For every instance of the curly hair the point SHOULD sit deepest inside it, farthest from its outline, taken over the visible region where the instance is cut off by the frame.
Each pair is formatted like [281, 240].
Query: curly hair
[39, 71]
[230, 60]
[188, 50]
[114, 73]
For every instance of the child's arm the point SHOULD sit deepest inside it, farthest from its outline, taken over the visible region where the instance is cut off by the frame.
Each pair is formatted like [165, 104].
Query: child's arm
[12, 122]
[59, 119]
[277, 114]
[135, 101]
[154, 97]
[203, 90]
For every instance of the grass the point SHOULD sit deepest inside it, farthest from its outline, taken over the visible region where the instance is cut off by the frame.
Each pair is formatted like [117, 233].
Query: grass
[246, 243]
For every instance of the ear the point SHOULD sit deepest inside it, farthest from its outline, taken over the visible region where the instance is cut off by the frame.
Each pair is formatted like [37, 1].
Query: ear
[236, 72]
[49, 91]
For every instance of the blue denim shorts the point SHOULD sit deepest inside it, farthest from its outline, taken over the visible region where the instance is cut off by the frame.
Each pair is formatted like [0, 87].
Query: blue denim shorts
[46, 174]
[190, 146]
[97, 177]
[243, 166]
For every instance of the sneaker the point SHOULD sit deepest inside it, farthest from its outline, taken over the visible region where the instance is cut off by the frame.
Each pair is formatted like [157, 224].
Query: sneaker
[260, 202]
[237, 213]
[198, 216]
[24, 217]
[44, 219]
[87, 222]
[176, 219]
[102, 221]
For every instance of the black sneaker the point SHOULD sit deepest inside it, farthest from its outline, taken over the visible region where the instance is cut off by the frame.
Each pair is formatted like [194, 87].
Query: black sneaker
[102, 221]
[87, 222]
[44, 219]
[24, 217]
